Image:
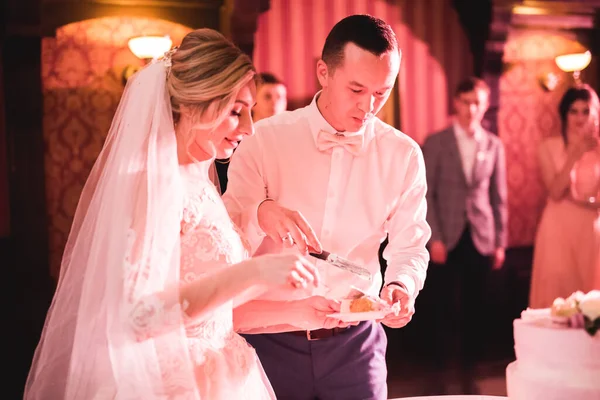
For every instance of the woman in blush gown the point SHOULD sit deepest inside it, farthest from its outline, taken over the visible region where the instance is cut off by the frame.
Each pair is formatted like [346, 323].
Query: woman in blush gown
[567, 244]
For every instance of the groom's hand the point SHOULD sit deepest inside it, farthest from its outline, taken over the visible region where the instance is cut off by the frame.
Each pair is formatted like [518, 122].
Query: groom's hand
[287, 227]
[395, 293]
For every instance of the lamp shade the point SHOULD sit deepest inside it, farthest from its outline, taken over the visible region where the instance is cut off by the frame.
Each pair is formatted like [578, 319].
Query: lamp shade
[146, 47]
[574, 62]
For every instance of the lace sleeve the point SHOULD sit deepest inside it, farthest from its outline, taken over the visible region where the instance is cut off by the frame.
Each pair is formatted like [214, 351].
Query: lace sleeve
[153, 314]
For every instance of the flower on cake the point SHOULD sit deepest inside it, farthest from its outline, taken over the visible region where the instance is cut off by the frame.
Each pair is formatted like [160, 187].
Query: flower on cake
[590, 308]
[590, 305]
[580, 310]
[567, 307]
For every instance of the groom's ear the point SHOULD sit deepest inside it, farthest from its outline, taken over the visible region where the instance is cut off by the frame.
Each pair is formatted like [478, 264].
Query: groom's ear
[322, 73]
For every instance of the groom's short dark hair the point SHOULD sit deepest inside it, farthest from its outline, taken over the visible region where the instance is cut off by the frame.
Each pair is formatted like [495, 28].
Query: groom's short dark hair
[367, 32]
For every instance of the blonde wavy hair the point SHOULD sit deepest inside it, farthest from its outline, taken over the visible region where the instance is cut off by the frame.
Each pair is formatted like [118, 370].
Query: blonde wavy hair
[207, 72]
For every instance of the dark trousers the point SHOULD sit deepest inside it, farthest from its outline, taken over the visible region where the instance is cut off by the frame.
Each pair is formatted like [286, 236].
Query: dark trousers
[347, 366]
[451, 309]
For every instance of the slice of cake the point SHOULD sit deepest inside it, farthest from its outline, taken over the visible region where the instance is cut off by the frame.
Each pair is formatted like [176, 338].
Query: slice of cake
[364, 304]
[558, 351]
[358, 301]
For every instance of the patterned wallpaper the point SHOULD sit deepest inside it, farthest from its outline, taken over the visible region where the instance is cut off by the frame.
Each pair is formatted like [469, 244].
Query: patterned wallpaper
[81, 78]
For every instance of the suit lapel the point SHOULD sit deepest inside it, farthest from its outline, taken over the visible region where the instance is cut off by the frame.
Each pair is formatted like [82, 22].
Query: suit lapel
[453, 150]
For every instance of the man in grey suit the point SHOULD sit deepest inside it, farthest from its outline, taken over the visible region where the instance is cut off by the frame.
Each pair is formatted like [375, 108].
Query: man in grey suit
[467, 212]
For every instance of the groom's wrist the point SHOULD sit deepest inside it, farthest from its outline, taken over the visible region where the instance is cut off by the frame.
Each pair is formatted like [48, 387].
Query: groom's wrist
[405, 283]
[399, 284]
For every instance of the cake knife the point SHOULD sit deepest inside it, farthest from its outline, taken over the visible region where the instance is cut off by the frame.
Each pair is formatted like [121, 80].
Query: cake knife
[344, 264]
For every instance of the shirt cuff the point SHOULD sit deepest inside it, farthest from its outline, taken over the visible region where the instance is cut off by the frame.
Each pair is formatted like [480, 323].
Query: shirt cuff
[406, 282]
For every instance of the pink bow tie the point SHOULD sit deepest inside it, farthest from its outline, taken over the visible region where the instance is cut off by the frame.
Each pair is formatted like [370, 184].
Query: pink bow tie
[352, 144]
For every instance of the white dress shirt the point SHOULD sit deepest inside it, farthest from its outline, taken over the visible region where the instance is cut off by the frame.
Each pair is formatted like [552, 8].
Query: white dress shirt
[351, 201]
[467, 146]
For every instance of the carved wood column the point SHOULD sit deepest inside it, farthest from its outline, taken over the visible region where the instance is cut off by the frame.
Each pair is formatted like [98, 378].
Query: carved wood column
[25, 257]
[492, 59]
[244, 22]
[4, 193]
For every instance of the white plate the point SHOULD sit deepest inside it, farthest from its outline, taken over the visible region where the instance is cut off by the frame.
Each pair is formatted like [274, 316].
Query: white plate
[359, 316]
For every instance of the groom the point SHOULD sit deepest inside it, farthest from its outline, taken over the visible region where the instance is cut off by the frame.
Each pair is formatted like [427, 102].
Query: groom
[334, 171]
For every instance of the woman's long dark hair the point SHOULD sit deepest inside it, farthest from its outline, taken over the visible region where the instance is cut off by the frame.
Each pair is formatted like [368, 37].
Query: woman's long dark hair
[582, 92]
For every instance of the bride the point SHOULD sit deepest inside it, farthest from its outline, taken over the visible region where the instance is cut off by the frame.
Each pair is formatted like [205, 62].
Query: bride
[154, 266]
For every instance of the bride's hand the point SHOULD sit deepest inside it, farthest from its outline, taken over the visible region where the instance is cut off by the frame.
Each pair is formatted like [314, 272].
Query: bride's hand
[285, 268]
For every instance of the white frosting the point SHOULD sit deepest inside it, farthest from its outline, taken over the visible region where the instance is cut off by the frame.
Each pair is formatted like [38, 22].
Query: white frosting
[553, 362]
[521, 385]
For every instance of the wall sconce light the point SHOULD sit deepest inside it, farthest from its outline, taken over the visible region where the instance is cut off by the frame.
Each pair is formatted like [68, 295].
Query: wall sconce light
[146, 48]
[574, 63]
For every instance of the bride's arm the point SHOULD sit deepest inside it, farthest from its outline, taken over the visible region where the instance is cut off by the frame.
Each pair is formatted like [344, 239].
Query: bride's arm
[267, 316]
[202, 296]
[151, 315]
[262, 314]
[271, 329]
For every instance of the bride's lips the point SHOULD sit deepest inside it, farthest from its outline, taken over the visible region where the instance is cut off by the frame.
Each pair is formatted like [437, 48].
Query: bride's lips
[233, 142]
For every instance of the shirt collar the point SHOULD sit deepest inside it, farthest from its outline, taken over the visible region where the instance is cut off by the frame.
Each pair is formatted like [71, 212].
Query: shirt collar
[462, 134]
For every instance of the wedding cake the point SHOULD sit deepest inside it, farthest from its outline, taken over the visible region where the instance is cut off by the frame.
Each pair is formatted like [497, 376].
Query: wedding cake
[558, 351]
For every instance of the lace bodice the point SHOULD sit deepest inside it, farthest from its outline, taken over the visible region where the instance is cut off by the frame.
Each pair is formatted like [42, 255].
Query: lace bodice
[209, 240]
[208, 236]
[225, 366]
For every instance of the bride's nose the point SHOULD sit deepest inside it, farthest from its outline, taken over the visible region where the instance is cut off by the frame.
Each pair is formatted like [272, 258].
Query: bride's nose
[246, 125]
